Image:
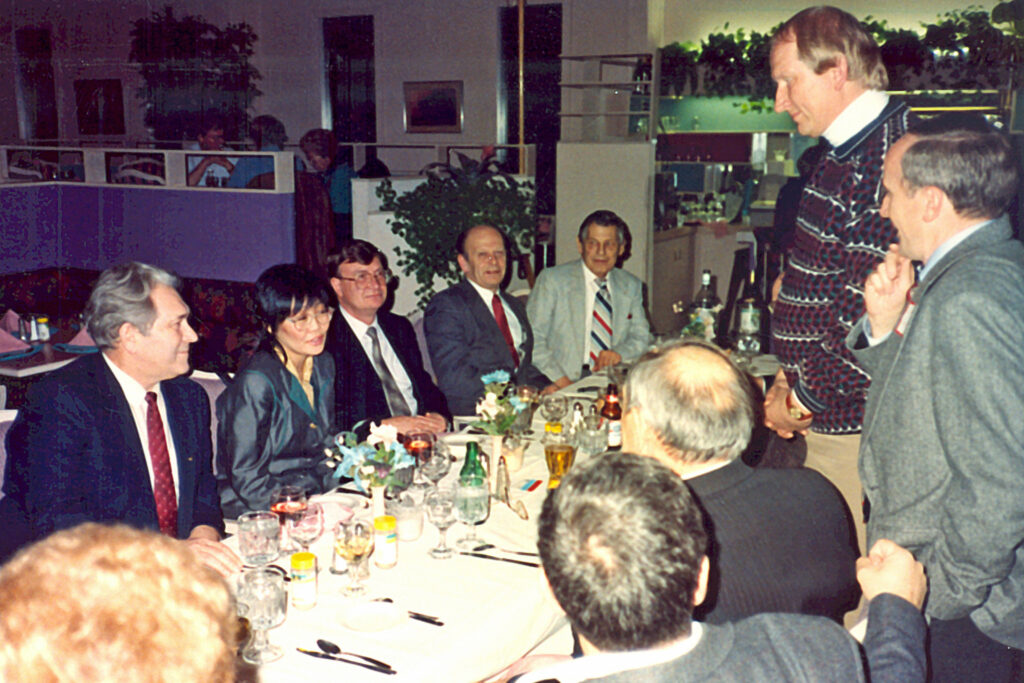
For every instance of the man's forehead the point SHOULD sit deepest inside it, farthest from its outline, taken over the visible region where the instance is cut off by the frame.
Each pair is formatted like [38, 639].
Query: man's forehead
[355, 265]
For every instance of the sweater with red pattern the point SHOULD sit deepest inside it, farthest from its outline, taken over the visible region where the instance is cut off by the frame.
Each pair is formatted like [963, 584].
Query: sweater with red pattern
[840, 239]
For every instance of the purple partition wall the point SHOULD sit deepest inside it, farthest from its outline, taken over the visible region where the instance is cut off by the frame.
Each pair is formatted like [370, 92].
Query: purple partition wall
[222, 235]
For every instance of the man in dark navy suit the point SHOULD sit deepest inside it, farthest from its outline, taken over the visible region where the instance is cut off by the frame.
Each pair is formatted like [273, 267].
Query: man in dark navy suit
[473, 328]
[119, 436]
[380, 375]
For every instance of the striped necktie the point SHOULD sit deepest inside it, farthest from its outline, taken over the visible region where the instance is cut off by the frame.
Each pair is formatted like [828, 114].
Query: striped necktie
[601, 324]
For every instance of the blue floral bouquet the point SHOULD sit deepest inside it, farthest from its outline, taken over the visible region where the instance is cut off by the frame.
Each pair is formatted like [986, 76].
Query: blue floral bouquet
[381, 460]
[500, 406]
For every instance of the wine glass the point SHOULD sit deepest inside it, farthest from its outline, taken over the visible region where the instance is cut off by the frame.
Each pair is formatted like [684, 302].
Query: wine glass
[553, 407]
[259, 537]
[353, 542]
[528, 395]
[440, 504]
[288, 502]
[262, 593]
[308, 525]
[472, 506]
[439, 464]
[420, 445]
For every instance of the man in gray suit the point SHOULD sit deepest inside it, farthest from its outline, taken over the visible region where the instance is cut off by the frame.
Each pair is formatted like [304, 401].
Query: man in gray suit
[588, 315]
[941, 453]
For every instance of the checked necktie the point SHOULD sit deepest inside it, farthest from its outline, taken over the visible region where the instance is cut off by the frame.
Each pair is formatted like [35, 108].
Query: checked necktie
[392, 394]
[163, 481]
[601, 324]
[506, 331]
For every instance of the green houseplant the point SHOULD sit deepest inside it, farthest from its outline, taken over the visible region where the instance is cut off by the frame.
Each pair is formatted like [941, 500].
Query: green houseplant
[189, 66]
[455, 197]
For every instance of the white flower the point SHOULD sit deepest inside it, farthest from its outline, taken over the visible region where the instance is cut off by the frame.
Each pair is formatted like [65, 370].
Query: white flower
[385, 434]
[488, 406]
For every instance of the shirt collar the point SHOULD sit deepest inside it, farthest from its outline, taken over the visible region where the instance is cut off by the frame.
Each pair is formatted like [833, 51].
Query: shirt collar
[485, 294]
[304, 374]
[134, 392]
[948, 246]
[359, 328]
[603, 664]
[859, 113]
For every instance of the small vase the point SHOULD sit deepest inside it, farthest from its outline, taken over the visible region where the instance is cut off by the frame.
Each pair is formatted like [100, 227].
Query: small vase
[512, 449]
[377, 497]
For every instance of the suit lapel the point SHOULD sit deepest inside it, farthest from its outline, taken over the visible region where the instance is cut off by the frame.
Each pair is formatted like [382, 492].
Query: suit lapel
[577, 291]
[185, 438]
[353, 366]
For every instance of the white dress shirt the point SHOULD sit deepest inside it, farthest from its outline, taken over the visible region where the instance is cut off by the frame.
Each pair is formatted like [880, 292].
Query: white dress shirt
[590, 287]
[135, 394]
[359, 329]
[513, 320]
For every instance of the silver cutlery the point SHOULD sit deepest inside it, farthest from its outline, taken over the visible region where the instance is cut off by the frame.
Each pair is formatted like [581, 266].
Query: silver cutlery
[418, 616]
[488, 546]
[501, 559]
[332, 649]
[336, 658]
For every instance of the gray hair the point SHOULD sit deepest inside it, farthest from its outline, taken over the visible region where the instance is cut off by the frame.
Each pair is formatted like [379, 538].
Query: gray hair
[700, 408]
[621, 541]
[604, 218]
[977, 170]
[122, 295]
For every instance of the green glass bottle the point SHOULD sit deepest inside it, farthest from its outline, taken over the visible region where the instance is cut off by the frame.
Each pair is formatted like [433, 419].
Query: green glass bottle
[472, 469]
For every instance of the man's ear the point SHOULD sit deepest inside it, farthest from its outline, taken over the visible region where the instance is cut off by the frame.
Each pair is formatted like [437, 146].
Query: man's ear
[128, 336]
[701, 591]
[840, 73]
[336, 286]
[934, 199]
[463, 264]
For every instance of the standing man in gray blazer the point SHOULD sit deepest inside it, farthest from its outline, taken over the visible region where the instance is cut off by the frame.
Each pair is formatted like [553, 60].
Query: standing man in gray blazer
[588, 315]
[941, 456]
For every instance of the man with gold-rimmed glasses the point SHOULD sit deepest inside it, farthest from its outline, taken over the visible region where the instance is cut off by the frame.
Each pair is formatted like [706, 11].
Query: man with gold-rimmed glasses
[380, 374]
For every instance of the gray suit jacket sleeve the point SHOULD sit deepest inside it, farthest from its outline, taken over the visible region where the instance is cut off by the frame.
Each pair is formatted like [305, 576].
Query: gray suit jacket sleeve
[632, 331]
[552, 329]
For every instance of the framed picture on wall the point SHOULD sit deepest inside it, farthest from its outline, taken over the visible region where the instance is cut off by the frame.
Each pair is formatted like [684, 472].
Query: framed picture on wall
[433, 106]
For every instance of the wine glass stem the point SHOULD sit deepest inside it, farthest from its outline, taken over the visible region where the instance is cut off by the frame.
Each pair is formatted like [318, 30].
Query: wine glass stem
[260, 641]
[443, 543]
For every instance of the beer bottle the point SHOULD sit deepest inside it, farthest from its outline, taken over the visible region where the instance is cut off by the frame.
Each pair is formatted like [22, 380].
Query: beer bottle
[472, 469]
[611, 414]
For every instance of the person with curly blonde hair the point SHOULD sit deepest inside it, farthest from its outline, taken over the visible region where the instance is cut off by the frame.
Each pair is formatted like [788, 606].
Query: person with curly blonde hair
[113, 603]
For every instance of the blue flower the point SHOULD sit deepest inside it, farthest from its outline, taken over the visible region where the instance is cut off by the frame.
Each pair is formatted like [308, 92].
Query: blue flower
[498, 376]
[517, 403]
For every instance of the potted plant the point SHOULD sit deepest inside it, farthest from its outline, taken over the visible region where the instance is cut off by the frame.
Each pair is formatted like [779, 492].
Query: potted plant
[454, 198]
[189, 66]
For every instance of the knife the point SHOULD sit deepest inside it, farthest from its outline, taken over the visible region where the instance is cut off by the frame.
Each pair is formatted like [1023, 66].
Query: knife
[336, 658]
[425, 618]
[502, 559]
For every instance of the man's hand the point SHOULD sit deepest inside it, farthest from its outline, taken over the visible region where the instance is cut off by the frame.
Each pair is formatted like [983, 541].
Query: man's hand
[560, 383]
[431, 422]
[204, 541]
[885, 292]
[606, 359]
[889, 568]
[776, 413]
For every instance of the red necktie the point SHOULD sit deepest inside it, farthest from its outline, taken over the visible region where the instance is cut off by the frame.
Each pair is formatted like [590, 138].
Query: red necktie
[163, 481]
[499, 316]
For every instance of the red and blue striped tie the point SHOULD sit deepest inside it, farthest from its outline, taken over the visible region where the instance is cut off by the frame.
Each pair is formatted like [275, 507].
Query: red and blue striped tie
[601, 325]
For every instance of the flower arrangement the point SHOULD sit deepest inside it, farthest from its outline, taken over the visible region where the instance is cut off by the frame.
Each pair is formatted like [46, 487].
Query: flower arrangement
[500, 406]
[381, 460]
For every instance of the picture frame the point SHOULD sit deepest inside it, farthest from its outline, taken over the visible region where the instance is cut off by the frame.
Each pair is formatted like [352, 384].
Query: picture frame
[433, 106]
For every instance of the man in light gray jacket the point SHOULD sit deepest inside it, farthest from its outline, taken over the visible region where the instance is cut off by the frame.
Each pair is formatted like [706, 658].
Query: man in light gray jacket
[942, 452]
[587, 315]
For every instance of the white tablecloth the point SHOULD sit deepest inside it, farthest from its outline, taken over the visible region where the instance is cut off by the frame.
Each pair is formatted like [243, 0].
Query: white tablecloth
[493, 612]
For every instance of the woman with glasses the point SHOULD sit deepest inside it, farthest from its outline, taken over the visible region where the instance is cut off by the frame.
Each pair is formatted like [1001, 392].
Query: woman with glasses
[277, 416]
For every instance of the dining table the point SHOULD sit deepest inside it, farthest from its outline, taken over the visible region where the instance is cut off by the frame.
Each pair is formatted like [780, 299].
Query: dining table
[493, 611]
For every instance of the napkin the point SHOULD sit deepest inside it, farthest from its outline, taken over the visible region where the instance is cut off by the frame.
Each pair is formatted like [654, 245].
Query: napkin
[9, 343]
[10, 322]
[82, 339]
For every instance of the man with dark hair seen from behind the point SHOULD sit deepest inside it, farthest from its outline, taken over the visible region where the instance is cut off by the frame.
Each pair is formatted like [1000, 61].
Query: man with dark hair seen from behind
[780, 540]
[622, 543]
[831, 81]
[941, 455]
[588, 315]
[119, 435]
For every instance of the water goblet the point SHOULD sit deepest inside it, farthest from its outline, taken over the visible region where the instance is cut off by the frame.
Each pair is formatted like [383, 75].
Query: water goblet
[439, 464]
[530, 396]
[353, 542]
[288, 502]
[308, 525]
[259, 537]
[554, 407]
[262, 593]
[440, 504]
[472, 506]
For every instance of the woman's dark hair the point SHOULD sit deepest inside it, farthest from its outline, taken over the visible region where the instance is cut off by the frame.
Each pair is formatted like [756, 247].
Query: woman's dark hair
[282, 291]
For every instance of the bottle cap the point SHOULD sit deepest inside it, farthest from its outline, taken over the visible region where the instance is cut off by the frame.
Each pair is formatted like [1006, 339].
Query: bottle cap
[303, 561]
[555, 427]
[384, 523]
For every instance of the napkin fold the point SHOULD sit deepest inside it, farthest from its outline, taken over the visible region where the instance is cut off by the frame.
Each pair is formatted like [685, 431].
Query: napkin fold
[10, 322]
[82, 339]
[9, 343]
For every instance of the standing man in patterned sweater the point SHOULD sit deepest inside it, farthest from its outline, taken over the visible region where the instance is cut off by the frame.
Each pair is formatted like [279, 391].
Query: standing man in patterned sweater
[831, 80]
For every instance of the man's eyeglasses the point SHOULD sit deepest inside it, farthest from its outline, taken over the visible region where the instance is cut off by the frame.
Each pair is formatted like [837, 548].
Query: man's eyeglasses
[304, 321]
[364, 278]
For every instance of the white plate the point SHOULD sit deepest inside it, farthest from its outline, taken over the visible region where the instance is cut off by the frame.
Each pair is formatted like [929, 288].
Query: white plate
[372, 616]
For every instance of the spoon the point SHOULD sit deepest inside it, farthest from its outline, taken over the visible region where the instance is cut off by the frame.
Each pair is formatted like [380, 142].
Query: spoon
[332, 649]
